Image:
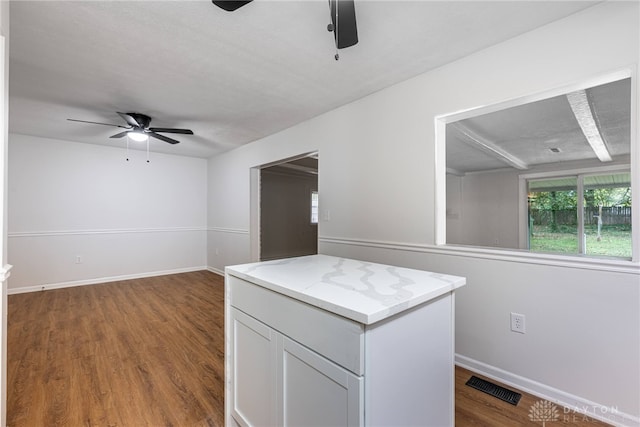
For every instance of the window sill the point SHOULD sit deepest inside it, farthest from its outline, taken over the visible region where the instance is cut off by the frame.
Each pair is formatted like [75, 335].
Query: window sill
[496, 254]
[619, 265]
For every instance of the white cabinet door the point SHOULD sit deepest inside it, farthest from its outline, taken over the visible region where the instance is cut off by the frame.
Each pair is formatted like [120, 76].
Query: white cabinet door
[317, 392]
[278, 382]
[254, 365]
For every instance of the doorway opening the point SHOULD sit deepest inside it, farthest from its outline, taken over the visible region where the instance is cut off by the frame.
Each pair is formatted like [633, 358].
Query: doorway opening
[284, 199]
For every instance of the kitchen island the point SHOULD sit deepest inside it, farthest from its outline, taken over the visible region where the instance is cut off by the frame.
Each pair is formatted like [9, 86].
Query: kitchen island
[322, 340]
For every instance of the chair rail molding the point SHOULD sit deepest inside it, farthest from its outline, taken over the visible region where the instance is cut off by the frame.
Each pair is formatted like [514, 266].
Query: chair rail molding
[601, 264]
[5, 272]
[103, 231]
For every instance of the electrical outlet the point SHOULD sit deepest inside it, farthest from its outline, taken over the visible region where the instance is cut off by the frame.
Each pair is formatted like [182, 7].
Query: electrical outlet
[517, 323]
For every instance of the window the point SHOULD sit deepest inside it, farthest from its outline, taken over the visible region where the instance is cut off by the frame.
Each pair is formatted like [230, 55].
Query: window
[553, 219]
[550, 173]
[314, 207]
[598, 223]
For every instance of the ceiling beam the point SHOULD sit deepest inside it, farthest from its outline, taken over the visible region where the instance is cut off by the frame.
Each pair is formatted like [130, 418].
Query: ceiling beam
[474, 140]
[584, 115]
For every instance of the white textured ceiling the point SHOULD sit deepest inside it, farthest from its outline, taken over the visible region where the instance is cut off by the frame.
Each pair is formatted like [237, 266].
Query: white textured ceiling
[230, 77]
[529, 131]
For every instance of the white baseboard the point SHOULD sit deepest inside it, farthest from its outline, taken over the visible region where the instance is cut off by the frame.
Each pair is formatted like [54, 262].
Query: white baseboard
[47, 286]
[575, 406]
[216, 271]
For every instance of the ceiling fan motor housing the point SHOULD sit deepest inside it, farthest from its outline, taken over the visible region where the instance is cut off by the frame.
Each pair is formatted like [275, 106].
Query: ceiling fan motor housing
[142, 119]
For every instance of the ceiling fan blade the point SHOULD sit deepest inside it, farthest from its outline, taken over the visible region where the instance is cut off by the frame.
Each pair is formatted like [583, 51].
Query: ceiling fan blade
[131, 121]
[230, 5]
[345, 30]
[172, 130]
[97, 123]
[119, 135]
[163, 138]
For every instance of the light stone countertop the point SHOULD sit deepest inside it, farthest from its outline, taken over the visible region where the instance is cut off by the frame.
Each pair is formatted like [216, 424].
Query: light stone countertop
[358, 290]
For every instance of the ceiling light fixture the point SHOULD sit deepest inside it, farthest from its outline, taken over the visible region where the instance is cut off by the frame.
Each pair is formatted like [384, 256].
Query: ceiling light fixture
[582, 110]
[138, 136]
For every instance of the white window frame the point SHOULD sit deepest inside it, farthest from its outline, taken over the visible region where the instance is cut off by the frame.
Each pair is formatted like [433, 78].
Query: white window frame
[314, 221]
[523, 207]
[440, 125]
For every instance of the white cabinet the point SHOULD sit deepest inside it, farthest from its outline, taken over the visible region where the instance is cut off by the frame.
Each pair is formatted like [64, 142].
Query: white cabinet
[294, 359]
[317, 392]
[278, 382]
[254, 355]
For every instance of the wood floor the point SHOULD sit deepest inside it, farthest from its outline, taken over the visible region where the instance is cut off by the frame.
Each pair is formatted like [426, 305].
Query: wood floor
[149, 352]
[145, 352]
[475, 408]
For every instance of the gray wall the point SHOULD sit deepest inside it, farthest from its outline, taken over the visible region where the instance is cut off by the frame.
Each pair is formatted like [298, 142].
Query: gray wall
[285, 213]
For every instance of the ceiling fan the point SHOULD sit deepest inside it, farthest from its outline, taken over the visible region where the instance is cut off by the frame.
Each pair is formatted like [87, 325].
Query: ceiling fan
[343, 19]
[139, 129]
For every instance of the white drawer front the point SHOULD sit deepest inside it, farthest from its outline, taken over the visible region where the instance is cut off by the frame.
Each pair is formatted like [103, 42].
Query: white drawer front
[336, 338]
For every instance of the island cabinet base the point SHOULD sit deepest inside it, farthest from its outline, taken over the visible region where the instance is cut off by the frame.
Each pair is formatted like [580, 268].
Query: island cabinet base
[279, 382]
[290, 363]
[409, 367]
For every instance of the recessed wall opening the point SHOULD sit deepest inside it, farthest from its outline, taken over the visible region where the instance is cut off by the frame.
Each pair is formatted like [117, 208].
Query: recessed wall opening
[285, 208]
[550, 173]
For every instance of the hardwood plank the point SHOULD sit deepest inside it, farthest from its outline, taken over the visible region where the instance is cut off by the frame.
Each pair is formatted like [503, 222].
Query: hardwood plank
[150, 352]
[475, 408]
[145, 352]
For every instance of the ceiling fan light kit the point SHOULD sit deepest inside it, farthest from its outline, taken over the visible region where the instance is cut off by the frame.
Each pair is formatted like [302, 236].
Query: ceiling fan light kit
[138, 136]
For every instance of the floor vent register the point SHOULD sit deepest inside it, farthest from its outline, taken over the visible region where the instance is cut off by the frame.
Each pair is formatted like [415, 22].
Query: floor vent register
[494, 390]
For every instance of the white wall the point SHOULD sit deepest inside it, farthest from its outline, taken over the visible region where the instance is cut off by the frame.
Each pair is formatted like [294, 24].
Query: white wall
[124, 219]
[377, 181]
[4, 267]
[488, 212]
